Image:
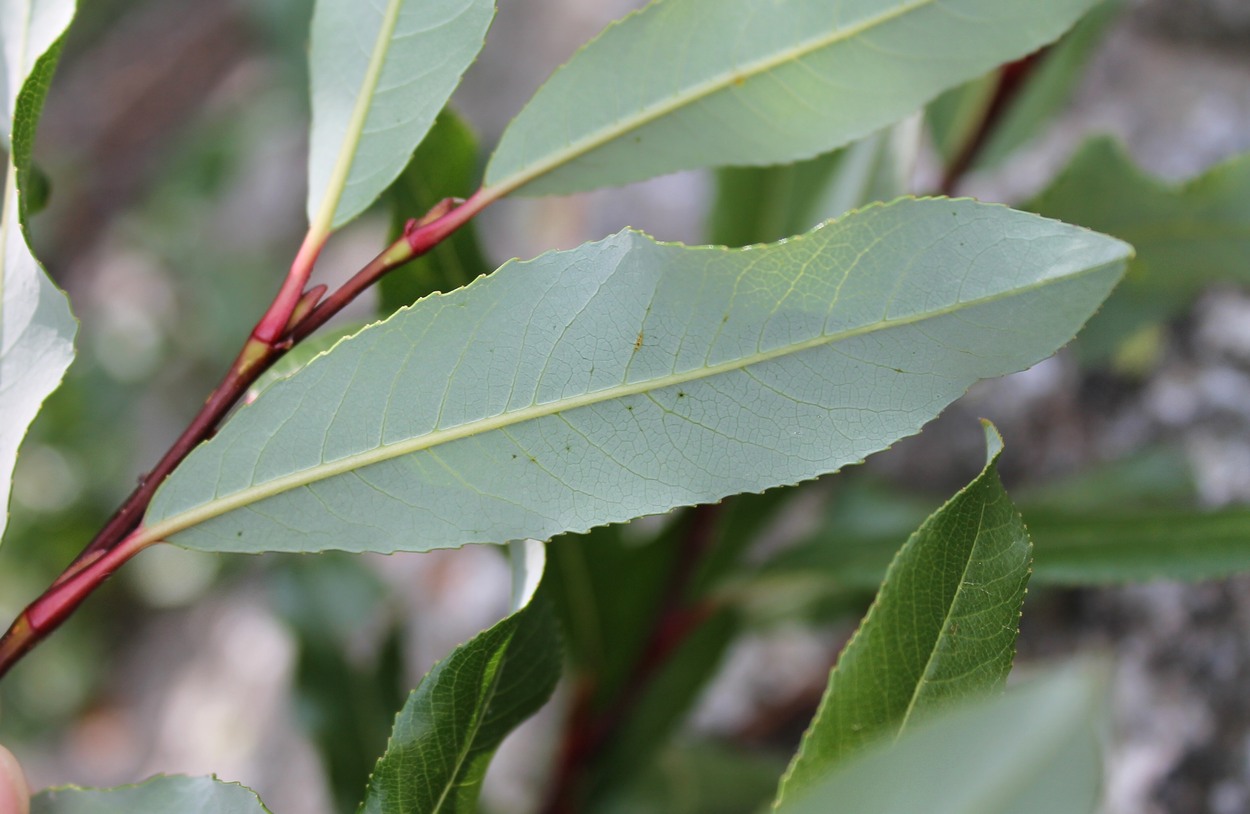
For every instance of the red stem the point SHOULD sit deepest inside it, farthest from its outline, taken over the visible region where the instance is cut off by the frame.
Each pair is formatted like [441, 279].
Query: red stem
[119, 540]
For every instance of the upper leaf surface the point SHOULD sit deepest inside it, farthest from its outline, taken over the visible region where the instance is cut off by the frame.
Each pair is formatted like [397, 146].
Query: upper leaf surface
[1034, 750]
[943, 628]
[28, 28]
[36, 326]
[698, 83]
[1186, 236]
[627, 377]
[461, 711]
[381, 72]
[160, 795]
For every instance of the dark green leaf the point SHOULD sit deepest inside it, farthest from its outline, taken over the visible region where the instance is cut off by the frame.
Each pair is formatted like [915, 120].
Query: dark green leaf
[461, 711]
[943, 628]
[699, 778]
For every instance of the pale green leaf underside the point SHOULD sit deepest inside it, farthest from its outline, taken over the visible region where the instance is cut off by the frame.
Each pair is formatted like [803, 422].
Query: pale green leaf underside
[699, 83]
[381, 72]
[627, 377]
[36, 326]
[160, 795]
[943, 628]
[1035, 750]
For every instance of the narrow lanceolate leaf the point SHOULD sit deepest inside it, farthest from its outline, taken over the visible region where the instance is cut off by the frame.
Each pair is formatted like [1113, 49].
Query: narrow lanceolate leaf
[1187, 237]
[381, 72]
[1034, 750]
[160, 795]
[461, 711]
[628, 377]
[943, 628]
[700, 83]
[36, 327]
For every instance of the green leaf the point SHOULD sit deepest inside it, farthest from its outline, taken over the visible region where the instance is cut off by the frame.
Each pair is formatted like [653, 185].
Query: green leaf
[1035, 750]
[36, 326]
[1186, 237]
[943, 628]
[1111, 547]
[685, 84]
[699, 778]
[764, 204]
[607, 586]
[957, 114]
[381, 72]
[445, 165]
[628, 377]
[30, 30]
[461, 711]
[665, 699]
[160, 795]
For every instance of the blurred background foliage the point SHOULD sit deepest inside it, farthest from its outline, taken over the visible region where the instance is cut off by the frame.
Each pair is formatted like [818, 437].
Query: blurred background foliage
[697, 644]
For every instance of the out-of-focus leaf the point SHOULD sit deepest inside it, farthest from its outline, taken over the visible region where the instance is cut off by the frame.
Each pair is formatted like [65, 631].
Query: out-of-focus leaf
[1035, 750]
[36, 326]
[646, 376]
[160, 795]
[699, 778]
[943, 628]
[346, 701]
[955, 116]
[381, 72]
[661, 704]
[1114, 546]
[607, 586]
[1151, 479]
[461, 711]
[757, 82]
[764, 204]
[444, 166]
[1187, 237]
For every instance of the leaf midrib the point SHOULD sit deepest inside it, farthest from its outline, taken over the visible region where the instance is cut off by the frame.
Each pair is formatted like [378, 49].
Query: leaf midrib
[385, 452]
[328, 210]
[725, 79]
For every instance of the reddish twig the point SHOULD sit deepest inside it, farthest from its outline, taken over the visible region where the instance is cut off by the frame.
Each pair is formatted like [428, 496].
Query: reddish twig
[294, 314]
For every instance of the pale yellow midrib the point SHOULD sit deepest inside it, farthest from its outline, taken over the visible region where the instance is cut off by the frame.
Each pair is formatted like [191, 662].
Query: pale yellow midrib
[647, 115]
[321, 223]
[254, 494]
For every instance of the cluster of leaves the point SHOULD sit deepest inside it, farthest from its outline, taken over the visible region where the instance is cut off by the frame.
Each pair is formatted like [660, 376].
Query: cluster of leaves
[553, 397]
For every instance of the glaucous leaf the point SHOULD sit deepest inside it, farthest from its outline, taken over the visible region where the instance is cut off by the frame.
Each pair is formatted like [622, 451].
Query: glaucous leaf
[1034, 750]
[943, 628]
[1187, 237]
[685, 84]
[163, 794]
[381, 72]
[36, 326]
[461, 711]
[627, 377]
